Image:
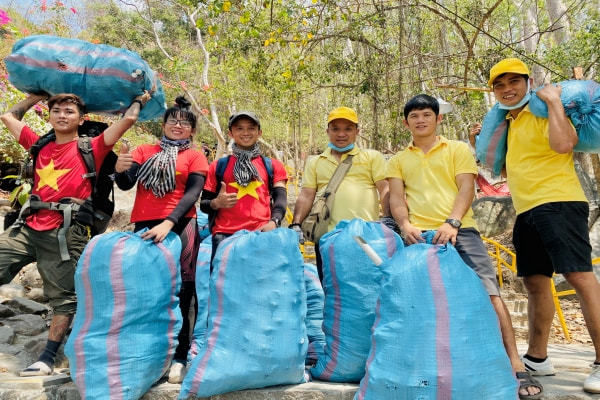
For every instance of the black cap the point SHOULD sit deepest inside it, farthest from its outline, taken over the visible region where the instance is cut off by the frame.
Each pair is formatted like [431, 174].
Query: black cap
[238, 115]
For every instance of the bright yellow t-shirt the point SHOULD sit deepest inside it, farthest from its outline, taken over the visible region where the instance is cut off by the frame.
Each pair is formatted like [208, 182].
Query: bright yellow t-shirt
[536, 174]
[430, 181]
[357, 195]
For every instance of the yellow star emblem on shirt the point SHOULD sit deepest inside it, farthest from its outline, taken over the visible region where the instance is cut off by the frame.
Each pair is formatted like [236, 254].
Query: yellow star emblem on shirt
[49, 176]
[249, 190]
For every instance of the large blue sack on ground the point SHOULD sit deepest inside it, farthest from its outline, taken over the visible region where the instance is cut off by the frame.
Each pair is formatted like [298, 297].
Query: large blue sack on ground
[436, 335]
[314, 313]
[256, 331]
[581, 100]
[125, 329]
[105, 77]
[351, 284]
[202, 291]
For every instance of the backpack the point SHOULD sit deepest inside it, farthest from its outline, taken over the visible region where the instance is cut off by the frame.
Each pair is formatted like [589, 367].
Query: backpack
[222, 164]
[97, 209]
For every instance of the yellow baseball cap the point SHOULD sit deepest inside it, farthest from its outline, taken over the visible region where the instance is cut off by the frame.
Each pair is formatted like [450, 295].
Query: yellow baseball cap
[513, 65]
[343, 113]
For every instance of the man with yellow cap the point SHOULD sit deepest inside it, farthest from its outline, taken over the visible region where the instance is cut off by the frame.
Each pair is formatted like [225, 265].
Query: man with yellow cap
[551, 233]
[364, 186]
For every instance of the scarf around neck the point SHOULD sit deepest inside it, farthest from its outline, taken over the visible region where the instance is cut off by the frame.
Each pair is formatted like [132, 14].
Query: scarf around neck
[158, 172]
[244, 171]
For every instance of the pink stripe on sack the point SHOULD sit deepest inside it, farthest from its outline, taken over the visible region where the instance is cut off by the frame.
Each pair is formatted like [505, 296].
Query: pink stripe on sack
[88, 301]
[214, 333]
[337, 307]
[390, 242]
[499, 132]
[442, 326]
[365, 381]
[313, 278]
[54, 65]
[173, 296]
[116, 322]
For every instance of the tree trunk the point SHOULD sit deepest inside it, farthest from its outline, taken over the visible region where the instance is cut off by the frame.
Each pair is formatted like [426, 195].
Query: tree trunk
[558, 17]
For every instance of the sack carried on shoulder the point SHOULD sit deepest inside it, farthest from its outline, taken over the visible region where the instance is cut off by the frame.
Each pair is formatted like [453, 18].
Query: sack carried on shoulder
[315, 224]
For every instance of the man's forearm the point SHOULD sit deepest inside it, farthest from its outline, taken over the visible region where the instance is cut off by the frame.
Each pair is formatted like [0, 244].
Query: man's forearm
[12, 118]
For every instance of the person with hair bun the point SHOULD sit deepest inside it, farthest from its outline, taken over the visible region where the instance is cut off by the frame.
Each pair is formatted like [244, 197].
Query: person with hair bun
[170, 176]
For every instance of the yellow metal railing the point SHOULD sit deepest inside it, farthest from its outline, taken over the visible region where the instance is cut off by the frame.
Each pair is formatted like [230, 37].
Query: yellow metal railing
[501, 254]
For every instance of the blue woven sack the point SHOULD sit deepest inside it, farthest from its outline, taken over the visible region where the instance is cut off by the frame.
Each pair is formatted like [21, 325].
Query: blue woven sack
[202, 280]
[125, 329]
[491, 146]
[436, 335]
[314, 313]
[105, 77]
[256, 332]
[351, 284]
[581, 100]
[202, 222]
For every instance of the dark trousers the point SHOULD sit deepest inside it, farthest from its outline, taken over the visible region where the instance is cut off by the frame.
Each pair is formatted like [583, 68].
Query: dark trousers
[217, 238]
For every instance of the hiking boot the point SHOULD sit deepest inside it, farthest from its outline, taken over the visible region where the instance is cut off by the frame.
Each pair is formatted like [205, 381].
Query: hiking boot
[592, 382]
[177, 372]
[38, 368]
[543, 368]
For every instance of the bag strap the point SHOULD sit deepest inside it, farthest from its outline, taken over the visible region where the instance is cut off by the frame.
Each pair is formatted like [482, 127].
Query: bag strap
[338, 176]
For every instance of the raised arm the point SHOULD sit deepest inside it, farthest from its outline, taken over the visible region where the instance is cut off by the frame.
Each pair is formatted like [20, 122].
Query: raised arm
[14, 116]
[561, 134]
[114, 132]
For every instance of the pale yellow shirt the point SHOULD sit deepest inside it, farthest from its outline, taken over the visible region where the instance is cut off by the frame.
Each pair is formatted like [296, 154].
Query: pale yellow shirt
[536, 174]
[430, 181]
[357, 195]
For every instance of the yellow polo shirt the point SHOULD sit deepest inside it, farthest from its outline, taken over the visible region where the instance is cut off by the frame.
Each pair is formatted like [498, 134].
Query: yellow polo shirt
[357, 195]
[536, 174]
[430, 181]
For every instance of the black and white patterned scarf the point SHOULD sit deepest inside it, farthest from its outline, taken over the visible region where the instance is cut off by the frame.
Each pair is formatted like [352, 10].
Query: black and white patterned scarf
[158, 172]
[244, 171]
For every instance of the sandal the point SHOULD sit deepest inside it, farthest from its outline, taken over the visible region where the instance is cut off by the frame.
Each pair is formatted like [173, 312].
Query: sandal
[526, 380]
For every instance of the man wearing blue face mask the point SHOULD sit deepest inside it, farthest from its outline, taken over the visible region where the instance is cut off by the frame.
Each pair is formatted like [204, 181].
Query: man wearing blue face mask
[364, 186]
[551, 233]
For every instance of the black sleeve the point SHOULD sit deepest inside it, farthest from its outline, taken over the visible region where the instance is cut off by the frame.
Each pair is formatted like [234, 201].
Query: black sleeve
[126, 180]
[193, 187]
[207, 196]
[279, 196]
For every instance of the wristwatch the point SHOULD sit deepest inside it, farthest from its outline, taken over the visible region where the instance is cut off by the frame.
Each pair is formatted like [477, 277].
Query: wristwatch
[277, 221]
[455, 223]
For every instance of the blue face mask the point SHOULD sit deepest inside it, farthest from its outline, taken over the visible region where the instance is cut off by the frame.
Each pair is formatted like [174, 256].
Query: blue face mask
[341, 149]
[523, 101]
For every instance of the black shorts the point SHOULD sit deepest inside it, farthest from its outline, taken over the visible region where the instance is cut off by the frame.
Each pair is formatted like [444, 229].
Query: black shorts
[553, 237]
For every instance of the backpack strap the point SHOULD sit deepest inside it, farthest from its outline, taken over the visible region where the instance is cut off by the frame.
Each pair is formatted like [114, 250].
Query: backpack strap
[269, 167]
[222, 164]
[84, 144]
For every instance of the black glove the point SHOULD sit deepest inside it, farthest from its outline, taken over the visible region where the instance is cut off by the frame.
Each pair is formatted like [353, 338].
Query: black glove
[390, 222]
[298, 229]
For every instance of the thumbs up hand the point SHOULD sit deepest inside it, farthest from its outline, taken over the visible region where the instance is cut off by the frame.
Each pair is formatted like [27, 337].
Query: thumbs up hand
[125, 159]
[224, 199]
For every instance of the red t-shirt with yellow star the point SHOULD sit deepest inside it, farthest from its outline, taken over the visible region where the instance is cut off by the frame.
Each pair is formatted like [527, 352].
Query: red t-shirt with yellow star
[147, 206]
[59, 171]
[253, 208]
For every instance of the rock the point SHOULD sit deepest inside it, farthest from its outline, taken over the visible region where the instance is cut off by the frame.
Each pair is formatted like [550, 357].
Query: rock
[7, 334]
[26, 324]
[6, 311]
[494, 214]
[11, 363]
[37, 294]
[9, 349]
[35, 346]
[26, 306]
[12, 290]
[30, 277]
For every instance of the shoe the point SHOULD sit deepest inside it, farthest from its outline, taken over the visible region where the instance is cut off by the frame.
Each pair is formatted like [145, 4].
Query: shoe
[177, 372]
[592, 382]
[38, 368]
[543, 368]
[526, 381]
